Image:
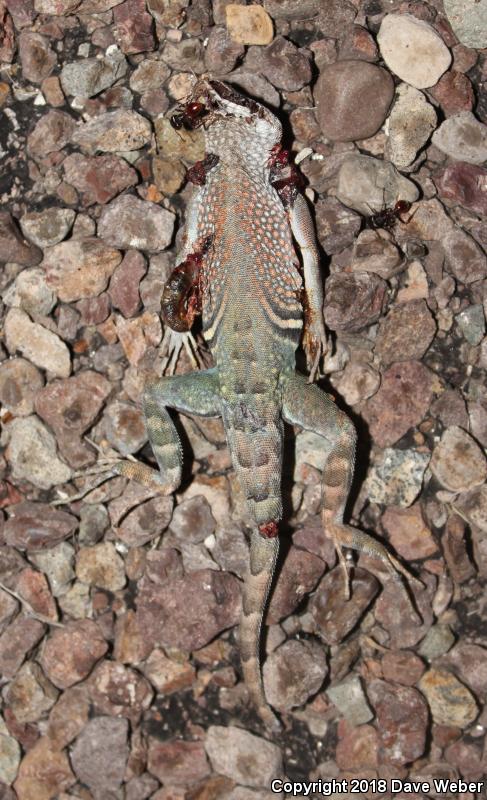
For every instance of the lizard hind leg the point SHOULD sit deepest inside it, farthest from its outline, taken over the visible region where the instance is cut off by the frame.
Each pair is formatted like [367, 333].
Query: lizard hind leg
[306, 405]
[263, 554]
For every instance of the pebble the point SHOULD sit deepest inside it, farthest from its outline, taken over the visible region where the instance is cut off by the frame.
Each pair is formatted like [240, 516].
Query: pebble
[405, 333]
[293, 673]
[437, 642]
[402, 720]
[69, 654]
[408, 532]
[128, 222]
[100, 753]
[354, 301]
[49, 227]
[333, 614]
[222, 50]
[119, 691]
[51, 133]
[175, 145]
[369, 184]
[20, 382]
[401, 37]
[79, 268]
[124, 283]
[401, 402]
[31, 453]
[397, 478]
[336, 225]
[44, 772]
[146, 522]
[90, 76]
[454, 93]
[468, 21]
[373, 252]
[34, 588]
[238, 754]
[38, 59]
[457, 461]
[123, 426]
[283, 64]
[164, 616]
[34, 526]
[133, 27]
[357, 750]
[357, 382]
[18, 639]
[450, 702]
[402, 666]
[101, 566]
[409, 126]
[98, 178]
[13, 247]
[10, 755]
[177, 763]
[463, 138]
[471, 322]
[349, 698]
[30, 292]
[472, 506]
[249, 24]
[465, 184]
[463, 257]
[30, 694]
[352, 99]
[70, 407]
[166, 674]
[113, 132]
[299, 575]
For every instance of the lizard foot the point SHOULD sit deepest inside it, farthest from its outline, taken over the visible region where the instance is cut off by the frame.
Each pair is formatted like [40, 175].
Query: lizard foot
[172, 344]
[315, 344]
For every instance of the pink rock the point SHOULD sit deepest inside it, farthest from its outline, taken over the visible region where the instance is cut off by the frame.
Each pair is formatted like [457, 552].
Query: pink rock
[34, 588]
[52, 133]
[402, 666]
[16, 641]
[99, 755]
[37, 526]
[37, 58]
[98, 178]
[44, 772]
[118, 691]
[133, 27]
[334, 616]
[69, 654]
[299, 575]
[176, 762]
[408, 532]
[406, 332]
[124, 283]
[454, 93]
[402, 720]
[465, 184]
[7, 34]
[357, 748]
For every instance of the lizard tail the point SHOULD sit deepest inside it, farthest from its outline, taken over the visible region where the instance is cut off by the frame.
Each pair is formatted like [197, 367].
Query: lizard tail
[263, 555]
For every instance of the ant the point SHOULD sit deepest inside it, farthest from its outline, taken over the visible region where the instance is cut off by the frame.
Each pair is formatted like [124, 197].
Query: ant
[190, 117]
[388, 217]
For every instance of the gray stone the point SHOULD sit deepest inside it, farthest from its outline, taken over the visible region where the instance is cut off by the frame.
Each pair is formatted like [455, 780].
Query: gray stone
[397, 478]
[463, 138]
[90, 76]
[401, 38]
[368, 184]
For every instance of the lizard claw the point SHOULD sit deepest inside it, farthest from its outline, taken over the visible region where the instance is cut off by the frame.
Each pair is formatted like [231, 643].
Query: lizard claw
[316, 346]
[172, 344]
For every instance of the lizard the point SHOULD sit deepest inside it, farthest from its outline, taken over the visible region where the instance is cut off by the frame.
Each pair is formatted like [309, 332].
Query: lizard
[249, 265]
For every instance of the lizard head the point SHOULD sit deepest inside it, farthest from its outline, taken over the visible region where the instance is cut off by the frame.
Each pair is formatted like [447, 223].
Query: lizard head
[236, 127]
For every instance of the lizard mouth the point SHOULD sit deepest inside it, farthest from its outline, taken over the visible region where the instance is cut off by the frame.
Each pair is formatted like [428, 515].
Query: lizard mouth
[220, 100]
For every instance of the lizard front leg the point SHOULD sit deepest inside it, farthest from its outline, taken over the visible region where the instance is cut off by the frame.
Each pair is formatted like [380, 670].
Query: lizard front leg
[194, 393]
[309, 407]
[314, 339]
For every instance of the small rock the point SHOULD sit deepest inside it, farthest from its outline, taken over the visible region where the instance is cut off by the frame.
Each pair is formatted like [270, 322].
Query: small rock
[352, 99]
[37, 57]
[175, 145]
[192, 520]
[465, 184]
[80, 268]
[457, 461]
[146, 522]
[336, 225]
[124, 428]
[357, 749]
[100, 753]
[401, 402]
[30, 292]
[98, 178]
[468, 21]
[299, 575]
[349, 698]
[167, 675]
[406, 332]
[69, 654]
[13, 247]
[357, 382]
[402, 667]
[10, 755]
[437, 642]
[47, 228]
[397, 479]
[293, 673]
[284, 65]
[472, 323]
[450, 702]
[128, 222]
[166, 618]
[401, 37]
[353, 301]
[57, 563]
[410, 125]
[249, 24]
[118, 691]
[176, 762]
[133, 27]
[149, 75]
[44, 772]
[454, 93]
[51, 89]
[247, 759]
[101, 566]
[112, 132]
[464, 258]
[358, 43]
[90, 76]
[20, 382]
[222, 51]
[469, 661]
[33, 587]
[124, 283]
[335, 616]
[408, 532]
[373, 253]
[402, 720]
[366, 183]
[32, 455]
[51, 133]
[463, 138]
[18, 639]
[35, 526]
[30, 694]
